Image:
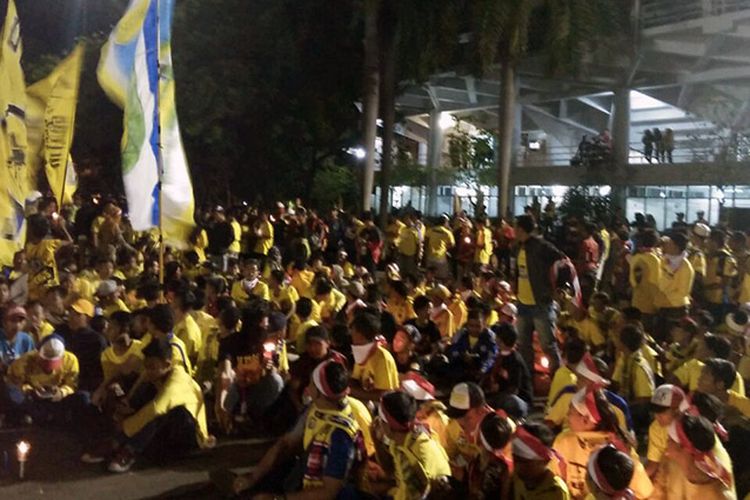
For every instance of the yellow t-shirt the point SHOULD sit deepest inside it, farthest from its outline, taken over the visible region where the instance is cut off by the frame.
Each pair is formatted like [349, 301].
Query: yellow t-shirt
[558, 412]
[299, 335]
[259, 290]
[525, 293]
[189, 332]
[114, 364]
[589, 331]
[27, 373]
[393, 232]
[657, 442]
[401, 311]
[118, 305]
[679, 487]
[264, 243]
[564, 376]
[641, 376]
[45, 331]
[179, 352]
[739, 402]
[408, 241]
[445, 324]
[552, 487]
[439, 241]
[420, 458]
[484, 246]
[675, 287]
[645, 275]
[302, 282]
[576, 448]
[234, 247]
[286, 295]
[331, 304]
[379, 372]
[459, 310]
[42, 267]
[690, 371]
[713, 291]
[179, 389]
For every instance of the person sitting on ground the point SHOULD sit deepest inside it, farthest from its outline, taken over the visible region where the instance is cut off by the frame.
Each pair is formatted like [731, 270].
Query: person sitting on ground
[707, 346]
[185, 327]
[431, 338]
[703, 471]
[633, 376]
[86, 344]
[508, 385]
[532, 454]
[42, 386]
[327, 436]
[717, 378]
[467, 408]
[108, 296]
[317, 350]
[304, 320]
[375, 369]
[14, 342]
[489, 474]
[122, 361]
[407, 451]
[404, 346]
[572, 352]
[171, 424]
[665, 405]
[250, 284]
[473, 353]
[608, 474]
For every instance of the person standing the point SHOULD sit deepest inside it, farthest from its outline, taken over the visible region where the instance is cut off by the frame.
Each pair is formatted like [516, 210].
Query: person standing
[439, 242]
[658, 145]
[645, 270]
[534, 261]
[675, 280]
[668, 146]
[648, 144]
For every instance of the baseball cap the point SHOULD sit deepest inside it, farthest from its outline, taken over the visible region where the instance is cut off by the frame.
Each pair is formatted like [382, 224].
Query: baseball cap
[15, 311]
[440, 291]
[83, 306]
[667, 396]
[464, 397]
[356, 289]
[701, 230]
[52, 348]
[418, 387]
[106, 287]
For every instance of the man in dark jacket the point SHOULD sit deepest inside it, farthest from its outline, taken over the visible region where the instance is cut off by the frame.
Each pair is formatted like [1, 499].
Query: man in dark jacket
[472, 355]
[534, 287]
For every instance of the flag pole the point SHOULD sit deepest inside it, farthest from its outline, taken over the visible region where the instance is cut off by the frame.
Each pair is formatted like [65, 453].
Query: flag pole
[159, 158]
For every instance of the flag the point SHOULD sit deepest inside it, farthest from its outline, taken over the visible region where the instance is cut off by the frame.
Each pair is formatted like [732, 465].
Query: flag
[135, 71]
[14, 174]
[51, 118]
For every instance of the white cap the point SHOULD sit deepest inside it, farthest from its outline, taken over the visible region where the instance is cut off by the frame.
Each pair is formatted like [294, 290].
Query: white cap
[668, 396]
[417, 391]
[52, 349]
[737, 322]
[701, 230]
[509, 310]
[504, 286]
[105, 288]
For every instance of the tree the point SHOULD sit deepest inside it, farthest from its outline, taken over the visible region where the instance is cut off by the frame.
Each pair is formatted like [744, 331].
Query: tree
[370, 97]
[562, 31]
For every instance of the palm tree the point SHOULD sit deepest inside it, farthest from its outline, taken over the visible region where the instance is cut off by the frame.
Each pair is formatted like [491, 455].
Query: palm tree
[563, 31]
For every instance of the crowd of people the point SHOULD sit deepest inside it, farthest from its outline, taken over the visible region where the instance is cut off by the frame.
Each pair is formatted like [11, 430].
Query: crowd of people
[658, 145]
[458, 356]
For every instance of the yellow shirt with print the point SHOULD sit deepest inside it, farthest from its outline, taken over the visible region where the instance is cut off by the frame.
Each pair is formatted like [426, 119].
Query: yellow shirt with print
[676, 286]
[26, 373]
[402, 311]
[393, 232]
[285, 298]
[379, 372]
[440, 240]
[116, 306]
[577, 447]
[239, 294]
[419, 459]
[265, 241]
[178, 390]
[525, 293]
[302, 282]
[42, 266]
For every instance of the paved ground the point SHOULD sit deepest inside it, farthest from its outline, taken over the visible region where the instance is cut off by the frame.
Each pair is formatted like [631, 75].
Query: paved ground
[55, 472]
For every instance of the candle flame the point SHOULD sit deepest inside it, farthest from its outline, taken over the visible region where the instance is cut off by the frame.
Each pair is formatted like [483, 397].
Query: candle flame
[23, 449]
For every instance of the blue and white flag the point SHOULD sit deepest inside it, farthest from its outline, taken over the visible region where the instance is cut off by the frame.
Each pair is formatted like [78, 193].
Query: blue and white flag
[135, 65]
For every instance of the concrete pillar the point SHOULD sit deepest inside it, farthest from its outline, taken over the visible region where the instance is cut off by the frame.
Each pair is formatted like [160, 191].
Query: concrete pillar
[621, 128]
[434, 157]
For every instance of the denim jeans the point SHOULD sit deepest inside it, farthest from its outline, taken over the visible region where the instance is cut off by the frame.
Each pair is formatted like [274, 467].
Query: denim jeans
[167, 436]
[65, 413]
[542, 319]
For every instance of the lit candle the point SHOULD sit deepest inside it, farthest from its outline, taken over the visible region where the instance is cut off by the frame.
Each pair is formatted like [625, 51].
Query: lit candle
[22, 453]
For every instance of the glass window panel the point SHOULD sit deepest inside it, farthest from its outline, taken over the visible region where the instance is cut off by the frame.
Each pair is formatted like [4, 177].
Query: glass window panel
[742, 192]
[699, 191]
[676, 191]
[520, 203]
[634, 206]
[655, 208]
[655, 192]
[695, 206]
[673, 208]
[713, 215]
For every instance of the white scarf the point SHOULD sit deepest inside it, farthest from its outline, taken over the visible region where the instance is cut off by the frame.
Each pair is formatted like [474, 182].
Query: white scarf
[675, 261]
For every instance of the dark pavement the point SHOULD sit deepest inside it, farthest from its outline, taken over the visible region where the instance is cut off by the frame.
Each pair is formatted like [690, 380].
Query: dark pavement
[54, 470]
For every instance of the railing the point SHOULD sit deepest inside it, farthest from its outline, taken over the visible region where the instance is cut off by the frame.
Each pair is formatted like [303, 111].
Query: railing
[561, 156]
[663, 12]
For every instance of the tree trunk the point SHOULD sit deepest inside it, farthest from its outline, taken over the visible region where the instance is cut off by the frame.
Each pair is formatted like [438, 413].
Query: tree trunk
[388, 105]
[370, 97]
[507, 118]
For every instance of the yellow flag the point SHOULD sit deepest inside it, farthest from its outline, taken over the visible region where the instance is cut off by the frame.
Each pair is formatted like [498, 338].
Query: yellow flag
[51, 123]
[14, 173]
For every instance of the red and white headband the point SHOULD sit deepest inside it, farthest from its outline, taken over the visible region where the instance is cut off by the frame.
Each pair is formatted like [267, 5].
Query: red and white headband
[587, 369]
[705, 461]
[601, 481]
[321, 382]
[584, 402]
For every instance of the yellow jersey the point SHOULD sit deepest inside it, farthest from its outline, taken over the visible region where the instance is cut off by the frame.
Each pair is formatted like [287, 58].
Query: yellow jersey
[525, 293]
[440, 241]
[26, 373]
[379, 372]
